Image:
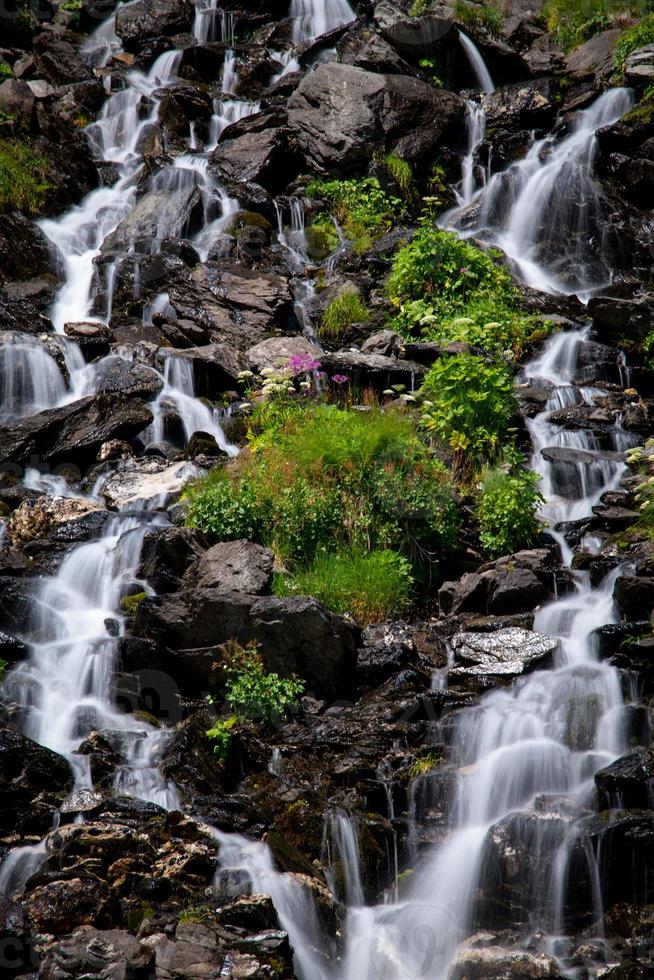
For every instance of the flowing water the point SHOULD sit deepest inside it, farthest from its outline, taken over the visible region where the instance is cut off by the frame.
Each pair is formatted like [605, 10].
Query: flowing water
[522, 748]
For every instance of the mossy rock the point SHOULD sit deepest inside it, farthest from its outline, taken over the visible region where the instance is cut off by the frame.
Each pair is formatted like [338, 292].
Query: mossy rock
[249, 219]
[129, 604]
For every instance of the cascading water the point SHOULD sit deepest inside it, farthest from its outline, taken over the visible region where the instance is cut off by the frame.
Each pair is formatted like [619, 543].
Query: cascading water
[477, 63]
[312, 18]
[546, 212]
[30, 378]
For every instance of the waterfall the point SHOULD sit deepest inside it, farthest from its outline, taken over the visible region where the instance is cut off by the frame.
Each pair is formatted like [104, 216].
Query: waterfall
[546, 211]
[341, 848]
[313, 18]
[477, 63]
[475, 134]
[30, 378]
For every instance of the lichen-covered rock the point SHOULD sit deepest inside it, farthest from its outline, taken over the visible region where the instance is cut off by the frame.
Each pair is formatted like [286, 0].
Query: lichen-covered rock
[509, 652]
[35, 519]
[233, 566]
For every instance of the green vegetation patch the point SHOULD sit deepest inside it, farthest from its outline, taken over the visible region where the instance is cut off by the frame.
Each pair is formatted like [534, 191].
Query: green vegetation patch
[363, 209]
[342, 312]
[24, 183]
[369, 586]
[633, 38]
[507, 510]
[486, 15]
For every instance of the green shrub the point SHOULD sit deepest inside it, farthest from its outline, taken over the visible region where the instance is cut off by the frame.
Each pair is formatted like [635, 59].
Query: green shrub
[420, 7]
[470, 403]
[324, 478]
[342, 312]
[643, 113]
[507, 511]
[635, 37]
[221, 733]
[363, 209]
[5, 71]
[401, 172]
[23, 177]
[447, 271]
[255, 693]
[370, 586]
[322, 237]
[487, 15]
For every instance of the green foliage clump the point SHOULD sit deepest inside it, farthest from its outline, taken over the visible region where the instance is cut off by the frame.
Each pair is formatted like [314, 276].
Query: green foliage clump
[255, 693]
[220, 734]
[322, 237]
[5, 71]
[633, 38]
[324, 478]
[486, 15]
[643, 113]
[342, 312]
[507, 510]
[200, 914]
[369, 586]
[23, 177]
[363, 209]
[3, 668]
[469, 404]
[401, 172]
[420, 7]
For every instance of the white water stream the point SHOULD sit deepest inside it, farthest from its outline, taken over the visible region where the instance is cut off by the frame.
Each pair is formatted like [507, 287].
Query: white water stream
[545, 735]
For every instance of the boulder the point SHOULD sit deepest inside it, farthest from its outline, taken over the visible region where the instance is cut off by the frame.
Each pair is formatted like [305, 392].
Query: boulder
[341, 115]
[499, 963]
[33, 782]
[215, 366]
[628, 783]
[516, 589]
[160, 214]
[114, 954]
[233, 566]
[59, 60]
[166, 554]
[93, 339]
[17, 100]
[58, 906]
[253, 150]
[414, 37]
[25, 252]
[374, 370]
[512, 584]
[364, 48]
[35, 519]
[116, 376]
[147, 19]
[275, 352]
[594, 58]
[138, 480]
[75, 431]
[506, 652]
[634, 595]
[296, 636]
[638, 69]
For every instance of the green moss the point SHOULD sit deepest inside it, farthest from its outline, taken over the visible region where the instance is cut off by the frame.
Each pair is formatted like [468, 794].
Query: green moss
[200, 914]
[423, 766]
[129, 604]
[420, 7]
[401, 172]
[643, 114]
[5, 71]
[322, 237]
[342, 312]
[250, 219]
[24, 180]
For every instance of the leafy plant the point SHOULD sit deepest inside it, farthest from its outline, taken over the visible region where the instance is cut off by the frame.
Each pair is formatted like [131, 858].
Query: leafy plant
[221, 734]
[24, 180]
[370, 586]
[5, 70]
[470, 403]
[363, 209]
[252, 691]
[201, 914]
[342, 312]
[507, 510]
[322, 237]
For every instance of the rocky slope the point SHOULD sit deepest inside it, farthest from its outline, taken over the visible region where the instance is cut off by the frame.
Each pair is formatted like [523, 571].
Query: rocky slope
[180, 261]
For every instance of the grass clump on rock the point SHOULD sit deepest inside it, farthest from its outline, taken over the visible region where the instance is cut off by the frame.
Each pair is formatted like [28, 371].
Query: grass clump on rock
[342, 312]
[507, 510]
[23, 177]
[363, 209]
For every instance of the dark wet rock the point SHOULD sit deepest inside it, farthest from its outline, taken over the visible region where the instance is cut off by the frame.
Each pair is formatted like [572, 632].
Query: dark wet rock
[24, 250]
[386, 650]
[253, 150]
[625, 839]
[93, 339]
[38, 519]
[11, 648]
[114, 954]
[615, 318]
[509, 585]
[159, 214]
[58, 59]
[364, 48]
[215, 366]
[33, 781]
[166, 554]
[116, 376]
[340, 114]
[500, 963]
[75, 431]
[506, 652]
[145, 20]
[182, 104]
[186, 628]
[639, 67]
[233, 566]
[413, 37]
[57, 906]
[634, 595]
[628, 783]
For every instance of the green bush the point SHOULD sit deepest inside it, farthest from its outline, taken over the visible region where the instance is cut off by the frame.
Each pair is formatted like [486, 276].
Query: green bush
[324, 478]
[635, 37]
[342, 312]
[322, 237]
[447, 271]
[221, 733]
[255, 693]
[364, 211]
[23, 177]
[470, 404]
[487, 15]
[507, 511]
[369, 586]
